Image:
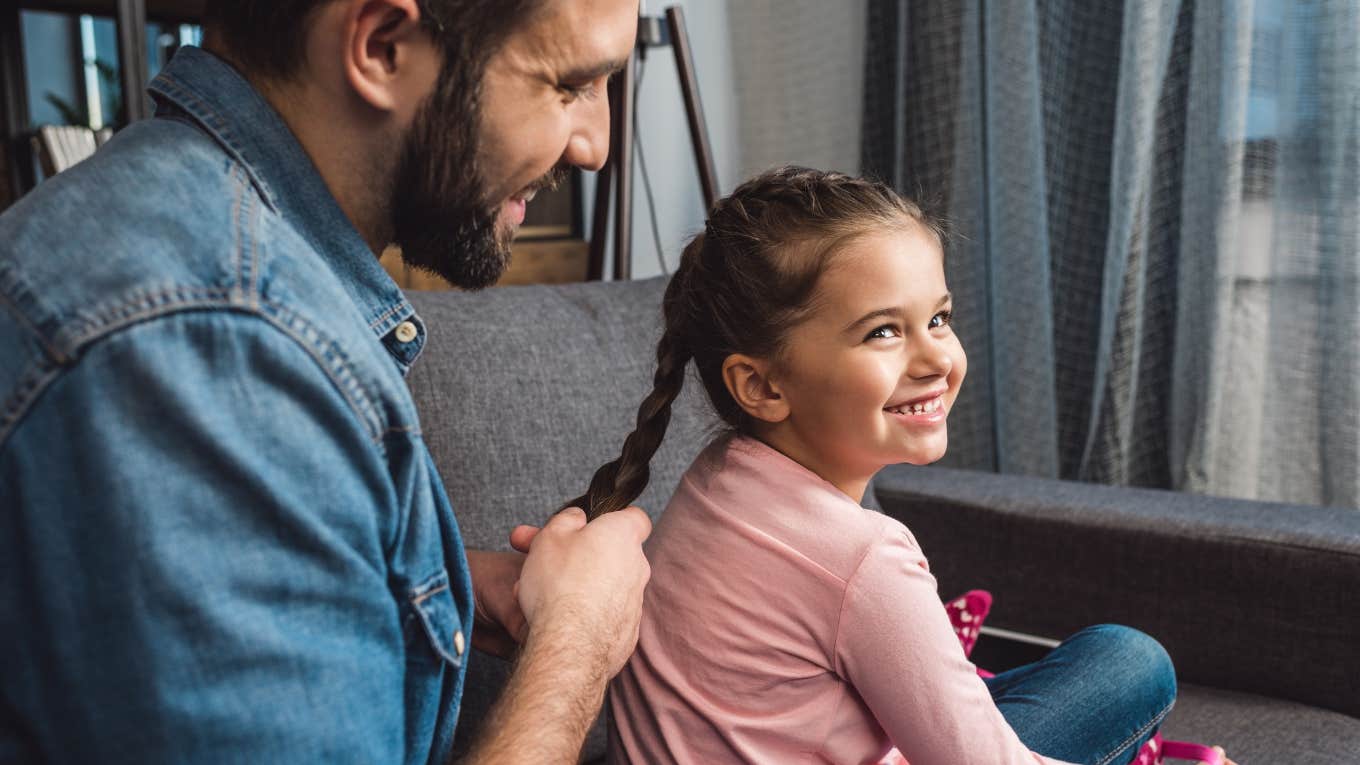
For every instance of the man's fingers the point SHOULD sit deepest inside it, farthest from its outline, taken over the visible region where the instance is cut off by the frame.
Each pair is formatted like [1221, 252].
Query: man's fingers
[522, 536]
[571, 519]
[634, 518]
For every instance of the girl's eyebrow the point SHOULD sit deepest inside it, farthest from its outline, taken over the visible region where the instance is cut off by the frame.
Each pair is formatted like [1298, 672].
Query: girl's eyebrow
[892, 312]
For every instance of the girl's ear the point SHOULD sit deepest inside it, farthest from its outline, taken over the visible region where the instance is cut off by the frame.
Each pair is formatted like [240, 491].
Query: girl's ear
[748, 382]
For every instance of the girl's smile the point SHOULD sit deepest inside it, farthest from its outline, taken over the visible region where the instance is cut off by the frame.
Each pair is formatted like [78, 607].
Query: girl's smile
[927, 410]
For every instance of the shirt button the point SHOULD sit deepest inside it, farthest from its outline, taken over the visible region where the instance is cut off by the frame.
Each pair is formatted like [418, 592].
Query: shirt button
[406, 332]
[458, 643]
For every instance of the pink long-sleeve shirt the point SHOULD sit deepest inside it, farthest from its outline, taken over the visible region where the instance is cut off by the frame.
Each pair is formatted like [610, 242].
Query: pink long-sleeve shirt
[784, 623]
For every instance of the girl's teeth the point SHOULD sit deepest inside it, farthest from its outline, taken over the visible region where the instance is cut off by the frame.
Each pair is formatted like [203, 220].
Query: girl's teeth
[927, 408]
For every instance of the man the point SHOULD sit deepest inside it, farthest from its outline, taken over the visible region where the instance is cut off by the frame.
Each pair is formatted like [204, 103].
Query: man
[221, 536]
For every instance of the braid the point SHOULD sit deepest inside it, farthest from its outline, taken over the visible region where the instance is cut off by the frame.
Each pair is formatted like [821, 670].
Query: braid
[616, 484]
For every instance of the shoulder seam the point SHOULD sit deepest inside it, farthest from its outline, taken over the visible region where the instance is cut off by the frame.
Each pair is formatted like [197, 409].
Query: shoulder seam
[9, 279]
[324, 352]
[840, 614]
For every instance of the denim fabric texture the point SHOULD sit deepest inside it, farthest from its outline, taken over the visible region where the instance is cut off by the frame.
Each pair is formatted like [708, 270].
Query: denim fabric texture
[1094, 699]
[222, 538]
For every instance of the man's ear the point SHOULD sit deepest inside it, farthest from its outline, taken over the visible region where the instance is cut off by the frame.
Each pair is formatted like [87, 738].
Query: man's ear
[388, 53]
[748, 382]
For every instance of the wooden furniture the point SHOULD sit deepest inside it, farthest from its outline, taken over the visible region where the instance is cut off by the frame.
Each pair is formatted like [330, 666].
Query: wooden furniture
[537, 261]
[62, 146]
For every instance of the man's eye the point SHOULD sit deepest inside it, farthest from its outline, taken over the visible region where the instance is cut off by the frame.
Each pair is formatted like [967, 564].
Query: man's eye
[884, 332]
[942, 319]
[573, 92]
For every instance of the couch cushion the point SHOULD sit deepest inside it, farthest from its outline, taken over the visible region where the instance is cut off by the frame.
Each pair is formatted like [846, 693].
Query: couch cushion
[523, 392]
[1256, 729]
[1256, 597]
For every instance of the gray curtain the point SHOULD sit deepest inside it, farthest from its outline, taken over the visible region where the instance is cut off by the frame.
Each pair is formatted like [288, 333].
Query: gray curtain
[1157, 217]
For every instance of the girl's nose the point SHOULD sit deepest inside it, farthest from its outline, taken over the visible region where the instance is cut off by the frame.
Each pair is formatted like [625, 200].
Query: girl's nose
[929, 360]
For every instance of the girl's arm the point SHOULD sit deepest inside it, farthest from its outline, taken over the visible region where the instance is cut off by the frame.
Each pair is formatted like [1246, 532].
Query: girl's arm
[896, 646]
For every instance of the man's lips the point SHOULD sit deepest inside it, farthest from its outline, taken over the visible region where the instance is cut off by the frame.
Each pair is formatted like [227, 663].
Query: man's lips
[513, 209]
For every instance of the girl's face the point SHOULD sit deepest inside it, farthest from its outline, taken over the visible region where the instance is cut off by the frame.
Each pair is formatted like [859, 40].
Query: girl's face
[870, 376]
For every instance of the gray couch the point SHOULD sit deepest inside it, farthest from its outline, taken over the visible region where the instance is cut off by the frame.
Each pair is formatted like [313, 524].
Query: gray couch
[524, 391]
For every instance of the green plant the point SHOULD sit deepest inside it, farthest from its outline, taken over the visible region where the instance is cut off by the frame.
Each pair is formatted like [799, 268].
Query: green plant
[75, 115]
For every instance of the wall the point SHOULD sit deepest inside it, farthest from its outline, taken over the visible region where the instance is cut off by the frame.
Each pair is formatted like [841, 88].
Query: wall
[664, 138]
[52, 63]
[781, 81]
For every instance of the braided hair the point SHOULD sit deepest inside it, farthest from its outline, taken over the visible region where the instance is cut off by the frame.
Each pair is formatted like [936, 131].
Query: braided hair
[741, 283]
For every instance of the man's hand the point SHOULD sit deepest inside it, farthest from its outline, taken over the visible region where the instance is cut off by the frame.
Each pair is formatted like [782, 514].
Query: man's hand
[583, 582]
[500, 626]
[580, 591]
[495, 585]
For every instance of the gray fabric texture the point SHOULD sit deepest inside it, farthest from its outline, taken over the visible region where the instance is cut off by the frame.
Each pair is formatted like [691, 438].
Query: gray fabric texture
[1157, 270]
[1251, 596]
[1255, 729]
[523, 392]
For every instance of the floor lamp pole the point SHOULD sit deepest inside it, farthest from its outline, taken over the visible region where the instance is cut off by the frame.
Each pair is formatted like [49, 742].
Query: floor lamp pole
[614, 182]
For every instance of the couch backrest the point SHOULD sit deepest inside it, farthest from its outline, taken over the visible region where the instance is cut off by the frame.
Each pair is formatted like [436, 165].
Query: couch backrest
[523, 392]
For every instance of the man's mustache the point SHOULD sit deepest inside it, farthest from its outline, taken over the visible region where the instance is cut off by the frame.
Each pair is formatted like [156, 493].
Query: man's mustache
[550, 180]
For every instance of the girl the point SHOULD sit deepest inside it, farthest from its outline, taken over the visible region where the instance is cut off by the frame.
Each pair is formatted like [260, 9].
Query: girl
[784, 622]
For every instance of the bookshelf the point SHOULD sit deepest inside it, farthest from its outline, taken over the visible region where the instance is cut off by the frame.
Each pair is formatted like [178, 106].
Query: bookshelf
[130, 17]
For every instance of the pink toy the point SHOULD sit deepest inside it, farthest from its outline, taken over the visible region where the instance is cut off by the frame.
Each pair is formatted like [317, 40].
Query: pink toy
[966, 613]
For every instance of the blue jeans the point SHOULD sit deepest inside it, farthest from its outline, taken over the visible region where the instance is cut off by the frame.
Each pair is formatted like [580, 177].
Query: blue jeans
[1094, 699]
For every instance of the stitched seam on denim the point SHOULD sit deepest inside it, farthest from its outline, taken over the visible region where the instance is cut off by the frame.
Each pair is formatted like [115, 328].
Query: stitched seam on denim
[175, 299]
[252, 285]
[8, 280]
[237, 233]
[145, 306]
[389, 313]
[331, 357]
[210, 119]
[30, 388]
[245, 220]
[325, 352]
[424, 596]
[1143, 731]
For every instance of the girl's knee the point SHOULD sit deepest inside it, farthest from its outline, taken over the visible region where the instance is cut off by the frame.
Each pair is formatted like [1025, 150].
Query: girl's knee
[1135, 659]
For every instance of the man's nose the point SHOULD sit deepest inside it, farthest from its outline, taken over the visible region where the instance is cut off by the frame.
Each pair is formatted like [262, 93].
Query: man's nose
[588, 147]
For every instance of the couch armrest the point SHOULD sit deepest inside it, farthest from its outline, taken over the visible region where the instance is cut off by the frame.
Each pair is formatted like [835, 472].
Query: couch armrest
[1250, 596]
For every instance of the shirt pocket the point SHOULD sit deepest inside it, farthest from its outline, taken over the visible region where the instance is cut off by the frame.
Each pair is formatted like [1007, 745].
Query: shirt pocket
[434, 632]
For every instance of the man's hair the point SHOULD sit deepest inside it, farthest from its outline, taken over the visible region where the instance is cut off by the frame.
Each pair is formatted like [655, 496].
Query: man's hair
[266, 37]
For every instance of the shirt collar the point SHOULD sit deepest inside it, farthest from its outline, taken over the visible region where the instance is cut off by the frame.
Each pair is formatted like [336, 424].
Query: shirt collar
[223, 104]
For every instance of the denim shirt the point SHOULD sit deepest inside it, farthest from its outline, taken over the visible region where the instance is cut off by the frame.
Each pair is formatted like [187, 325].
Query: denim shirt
[222, 538]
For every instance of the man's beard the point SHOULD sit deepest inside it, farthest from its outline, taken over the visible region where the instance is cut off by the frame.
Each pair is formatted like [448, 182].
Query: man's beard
[441, 218]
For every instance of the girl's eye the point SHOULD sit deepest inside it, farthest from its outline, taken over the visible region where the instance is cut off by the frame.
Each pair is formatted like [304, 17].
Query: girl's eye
[887, 331]
[942, 319]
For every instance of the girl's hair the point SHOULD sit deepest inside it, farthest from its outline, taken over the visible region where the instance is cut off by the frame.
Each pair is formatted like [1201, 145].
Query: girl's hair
[741, 285]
